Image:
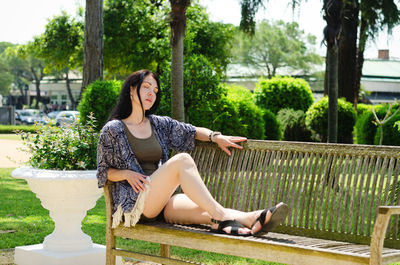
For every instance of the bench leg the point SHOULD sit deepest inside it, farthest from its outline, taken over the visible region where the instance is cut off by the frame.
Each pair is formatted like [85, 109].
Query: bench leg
[110, 245]
[165, 250]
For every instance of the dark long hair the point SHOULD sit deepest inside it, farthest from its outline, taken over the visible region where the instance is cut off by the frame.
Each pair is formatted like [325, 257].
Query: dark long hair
[124, 105]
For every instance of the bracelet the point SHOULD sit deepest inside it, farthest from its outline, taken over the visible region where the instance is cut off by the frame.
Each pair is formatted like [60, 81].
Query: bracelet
[212, 135]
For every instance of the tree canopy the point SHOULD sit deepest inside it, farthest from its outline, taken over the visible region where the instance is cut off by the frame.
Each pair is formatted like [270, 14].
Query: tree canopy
[137, 35]
[61, 43]
[275, 45]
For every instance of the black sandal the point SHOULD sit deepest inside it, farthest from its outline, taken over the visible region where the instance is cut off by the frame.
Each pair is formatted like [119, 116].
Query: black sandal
[279, 213]
[235, 225]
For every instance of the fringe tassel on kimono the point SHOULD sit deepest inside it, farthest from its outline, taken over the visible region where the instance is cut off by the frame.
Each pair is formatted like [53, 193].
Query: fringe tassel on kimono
[132, 217]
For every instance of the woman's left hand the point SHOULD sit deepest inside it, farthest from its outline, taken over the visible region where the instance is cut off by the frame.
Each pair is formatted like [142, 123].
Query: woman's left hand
[225, 141]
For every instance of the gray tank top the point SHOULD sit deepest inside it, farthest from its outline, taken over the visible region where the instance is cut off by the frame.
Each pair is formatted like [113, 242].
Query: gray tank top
[147, 151]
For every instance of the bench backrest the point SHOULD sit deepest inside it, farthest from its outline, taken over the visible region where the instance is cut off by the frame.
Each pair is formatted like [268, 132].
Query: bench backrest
[328, 187]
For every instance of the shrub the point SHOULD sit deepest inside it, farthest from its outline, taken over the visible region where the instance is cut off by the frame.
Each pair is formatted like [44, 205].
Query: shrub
[293, 125]
[99, 98]
[72, 147]
[362, 108]
[366, 130]
[231, 117]
[317, 120]
[250, 116]
[283, 92]
[391, 135]
[272, 126]
[239, 92]
[201, 87]
[223, 117]
[397, 124]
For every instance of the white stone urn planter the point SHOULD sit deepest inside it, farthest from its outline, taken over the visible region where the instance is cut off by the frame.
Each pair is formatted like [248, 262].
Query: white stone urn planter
[67, 195]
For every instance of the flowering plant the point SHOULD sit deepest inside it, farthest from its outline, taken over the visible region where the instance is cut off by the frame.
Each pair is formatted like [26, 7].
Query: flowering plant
[71, 147]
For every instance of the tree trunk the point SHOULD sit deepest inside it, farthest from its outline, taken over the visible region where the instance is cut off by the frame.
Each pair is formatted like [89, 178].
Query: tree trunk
[347, 52]
[332, 55]
[333, 17]
[177, 99]
[360, 59]
[93, 43]
[37, 84]
[71, 97]
[326, 74]
[178, 26]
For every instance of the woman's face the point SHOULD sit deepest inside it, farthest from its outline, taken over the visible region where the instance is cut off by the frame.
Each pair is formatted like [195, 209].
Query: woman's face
[148, 91]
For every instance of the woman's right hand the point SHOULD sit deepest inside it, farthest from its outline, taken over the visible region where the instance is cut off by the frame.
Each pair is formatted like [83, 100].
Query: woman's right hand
[136, 180]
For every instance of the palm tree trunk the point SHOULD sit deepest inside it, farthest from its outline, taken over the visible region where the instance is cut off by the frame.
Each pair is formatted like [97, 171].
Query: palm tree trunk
[178, 26]
[347, 52]
[333, 17]
[177, 99]
[360, 59]
[93, 43]
[332, 56]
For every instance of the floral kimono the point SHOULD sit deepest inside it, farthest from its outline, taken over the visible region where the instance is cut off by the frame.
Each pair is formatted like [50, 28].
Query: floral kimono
[114, 151]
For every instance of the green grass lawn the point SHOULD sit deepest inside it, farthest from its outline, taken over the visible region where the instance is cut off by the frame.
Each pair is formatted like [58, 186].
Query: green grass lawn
[23, 221]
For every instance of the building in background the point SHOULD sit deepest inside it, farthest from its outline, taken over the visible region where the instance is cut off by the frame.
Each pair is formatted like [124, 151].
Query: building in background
[380, 81]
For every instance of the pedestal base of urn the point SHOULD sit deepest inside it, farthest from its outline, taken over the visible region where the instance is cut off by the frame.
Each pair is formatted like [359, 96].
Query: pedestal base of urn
[37, 255]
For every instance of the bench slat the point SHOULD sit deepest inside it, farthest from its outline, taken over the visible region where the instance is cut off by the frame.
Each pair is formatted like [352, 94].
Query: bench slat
[345, 179]
[252, 176]
[394, 224]
[292, 217]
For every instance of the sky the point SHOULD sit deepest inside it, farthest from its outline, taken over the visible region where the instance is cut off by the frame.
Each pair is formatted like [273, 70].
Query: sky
[21, 20]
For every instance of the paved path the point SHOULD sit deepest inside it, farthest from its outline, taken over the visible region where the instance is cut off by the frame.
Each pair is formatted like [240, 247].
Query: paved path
[9, 149]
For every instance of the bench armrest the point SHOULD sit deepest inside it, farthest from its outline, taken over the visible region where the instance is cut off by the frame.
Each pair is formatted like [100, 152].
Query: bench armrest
[378, 235]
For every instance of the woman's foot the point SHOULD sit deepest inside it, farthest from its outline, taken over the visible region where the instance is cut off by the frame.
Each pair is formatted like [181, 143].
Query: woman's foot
[230, 226]
[269, 219]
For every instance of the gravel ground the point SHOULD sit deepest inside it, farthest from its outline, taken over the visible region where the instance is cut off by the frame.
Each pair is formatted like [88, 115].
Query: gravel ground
[11, 155]
[7, 256]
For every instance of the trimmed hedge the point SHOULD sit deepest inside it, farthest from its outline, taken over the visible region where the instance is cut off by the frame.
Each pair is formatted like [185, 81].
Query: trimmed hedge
[366, 130]
[250, 116]
[362, 108]
[391, 135]
[283, 92]
[317, 120]
[231, 115]
[272, 126]
[8, 129]
[99, 98]
[293, 125]
[239, 92]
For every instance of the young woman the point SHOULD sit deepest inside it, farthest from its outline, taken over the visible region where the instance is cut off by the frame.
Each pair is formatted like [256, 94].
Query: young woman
[133, 155]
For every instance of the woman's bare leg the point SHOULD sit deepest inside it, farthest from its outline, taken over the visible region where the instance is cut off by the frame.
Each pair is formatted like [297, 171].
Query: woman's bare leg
[199, 204]
[182, 210]
[196, 206]
[179, 170]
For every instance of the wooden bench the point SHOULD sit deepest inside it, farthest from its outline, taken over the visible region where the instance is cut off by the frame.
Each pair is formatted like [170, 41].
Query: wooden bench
[339, 197]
